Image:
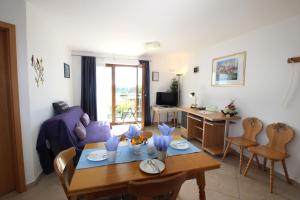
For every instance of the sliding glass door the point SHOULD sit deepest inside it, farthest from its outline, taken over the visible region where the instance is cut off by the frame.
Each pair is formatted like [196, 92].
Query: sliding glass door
[125, 94]
[120, 97]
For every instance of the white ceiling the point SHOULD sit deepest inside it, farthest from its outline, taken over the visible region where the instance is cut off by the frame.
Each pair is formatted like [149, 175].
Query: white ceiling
[123, 26]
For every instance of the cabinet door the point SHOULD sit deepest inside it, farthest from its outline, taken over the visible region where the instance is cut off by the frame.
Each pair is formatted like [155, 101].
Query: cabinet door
[213, 137]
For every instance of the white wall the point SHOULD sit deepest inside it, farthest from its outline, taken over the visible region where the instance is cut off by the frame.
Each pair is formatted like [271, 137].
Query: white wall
[14, 12]
[45, 39]
[39, 35]
[167, 66]
[268, 78]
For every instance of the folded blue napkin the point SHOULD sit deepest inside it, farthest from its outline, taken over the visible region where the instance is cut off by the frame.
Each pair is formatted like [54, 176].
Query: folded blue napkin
[161, 142]
[112, 143]
[165, 129]
[133, 131]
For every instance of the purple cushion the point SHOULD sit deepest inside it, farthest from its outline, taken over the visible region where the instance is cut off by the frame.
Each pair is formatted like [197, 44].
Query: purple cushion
[80, 131]
[85, 119]
[97, 131]
[70, 119]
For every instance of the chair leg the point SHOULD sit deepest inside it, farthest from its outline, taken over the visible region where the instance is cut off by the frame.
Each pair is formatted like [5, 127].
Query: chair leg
[257, 161]
[226, 150]
[271, 176]
[248, 165]
[265, 164]
[285, 171]
[241, 158]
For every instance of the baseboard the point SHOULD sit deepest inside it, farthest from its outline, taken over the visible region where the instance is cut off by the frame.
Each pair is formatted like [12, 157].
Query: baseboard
[33, 183]
[277, 174]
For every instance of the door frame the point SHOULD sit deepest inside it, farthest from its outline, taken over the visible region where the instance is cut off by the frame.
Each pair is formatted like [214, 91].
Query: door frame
[113, 67]
[13, 94]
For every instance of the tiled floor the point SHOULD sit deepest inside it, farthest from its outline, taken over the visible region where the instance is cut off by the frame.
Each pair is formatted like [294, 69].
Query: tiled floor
[222, 184]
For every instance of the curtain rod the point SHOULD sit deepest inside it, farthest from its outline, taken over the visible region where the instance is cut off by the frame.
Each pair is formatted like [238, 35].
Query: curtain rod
[112, 57]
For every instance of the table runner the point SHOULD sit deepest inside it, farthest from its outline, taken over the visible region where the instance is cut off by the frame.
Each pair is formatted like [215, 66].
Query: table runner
[125, 155]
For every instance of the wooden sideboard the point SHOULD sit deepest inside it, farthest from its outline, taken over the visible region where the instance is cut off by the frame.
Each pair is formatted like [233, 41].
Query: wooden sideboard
[210, 128]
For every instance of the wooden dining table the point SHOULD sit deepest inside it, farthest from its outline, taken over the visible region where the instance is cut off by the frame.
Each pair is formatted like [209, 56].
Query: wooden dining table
[113, 179]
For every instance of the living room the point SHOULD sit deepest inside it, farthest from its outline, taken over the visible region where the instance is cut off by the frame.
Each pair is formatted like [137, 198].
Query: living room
[176, 37]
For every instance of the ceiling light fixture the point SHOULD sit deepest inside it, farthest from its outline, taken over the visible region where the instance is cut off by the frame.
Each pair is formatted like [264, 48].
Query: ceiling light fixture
[152, 45]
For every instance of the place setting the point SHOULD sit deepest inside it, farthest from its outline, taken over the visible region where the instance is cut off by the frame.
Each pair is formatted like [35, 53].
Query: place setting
[152, 152]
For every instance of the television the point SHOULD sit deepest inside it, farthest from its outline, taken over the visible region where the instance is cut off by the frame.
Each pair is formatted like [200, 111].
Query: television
[166, 99]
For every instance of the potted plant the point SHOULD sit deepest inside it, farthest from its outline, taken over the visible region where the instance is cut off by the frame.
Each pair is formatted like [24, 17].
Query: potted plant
[136, 142]
[230, 109]
[174, 86]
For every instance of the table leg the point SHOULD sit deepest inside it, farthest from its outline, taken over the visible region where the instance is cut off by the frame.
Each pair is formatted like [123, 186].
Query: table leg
[175, 117]
[226, 133]
[167, 117]
[153, 117]
[177, 124]
[201, 185]
[158, 117]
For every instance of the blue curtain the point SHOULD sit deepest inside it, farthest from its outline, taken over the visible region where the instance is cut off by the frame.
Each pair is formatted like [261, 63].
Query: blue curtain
[88, 86]
[147, 116]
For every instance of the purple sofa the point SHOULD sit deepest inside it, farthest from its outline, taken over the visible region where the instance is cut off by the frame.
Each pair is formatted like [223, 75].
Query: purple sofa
[57, 134]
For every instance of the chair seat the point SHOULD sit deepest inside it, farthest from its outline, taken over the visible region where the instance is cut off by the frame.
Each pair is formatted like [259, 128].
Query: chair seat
[267, 152]
[240, 141]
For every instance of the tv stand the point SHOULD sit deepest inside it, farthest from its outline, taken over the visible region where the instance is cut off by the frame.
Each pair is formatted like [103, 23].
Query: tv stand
[157, 110]
[166, 106]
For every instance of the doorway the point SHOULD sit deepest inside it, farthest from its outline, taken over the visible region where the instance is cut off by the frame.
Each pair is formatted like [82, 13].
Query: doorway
[120, 98]
[12, 167]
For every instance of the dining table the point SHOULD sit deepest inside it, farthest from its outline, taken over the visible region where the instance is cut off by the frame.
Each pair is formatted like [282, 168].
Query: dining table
[110, 180]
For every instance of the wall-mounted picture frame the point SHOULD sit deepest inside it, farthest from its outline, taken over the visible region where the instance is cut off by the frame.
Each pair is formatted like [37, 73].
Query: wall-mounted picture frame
[229, 70]
[66, 70]
[155, 76]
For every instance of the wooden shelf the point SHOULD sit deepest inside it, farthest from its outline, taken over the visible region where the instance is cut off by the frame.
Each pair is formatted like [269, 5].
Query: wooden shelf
[198, 127]
[214, 150]
[198, 138]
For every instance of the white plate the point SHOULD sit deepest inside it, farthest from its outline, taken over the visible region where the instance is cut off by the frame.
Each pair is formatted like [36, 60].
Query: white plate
[98, 155]
[179, 145]
[150, 169]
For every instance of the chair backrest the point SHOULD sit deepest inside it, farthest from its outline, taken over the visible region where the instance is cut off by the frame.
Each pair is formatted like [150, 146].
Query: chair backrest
[64, 167]
[252, 127]
[167, 186]
[279, 135]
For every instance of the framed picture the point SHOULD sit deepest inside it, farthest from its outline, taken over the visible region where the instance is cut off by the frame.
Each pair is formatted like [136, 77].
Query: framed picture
[229, 70]
[66, 70]
[155, 76]
[196, 69]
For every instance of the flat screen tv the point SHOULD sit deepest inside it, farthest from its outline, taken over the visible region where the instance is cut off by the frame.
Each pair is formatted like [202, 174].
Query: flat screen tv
[166, 99]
